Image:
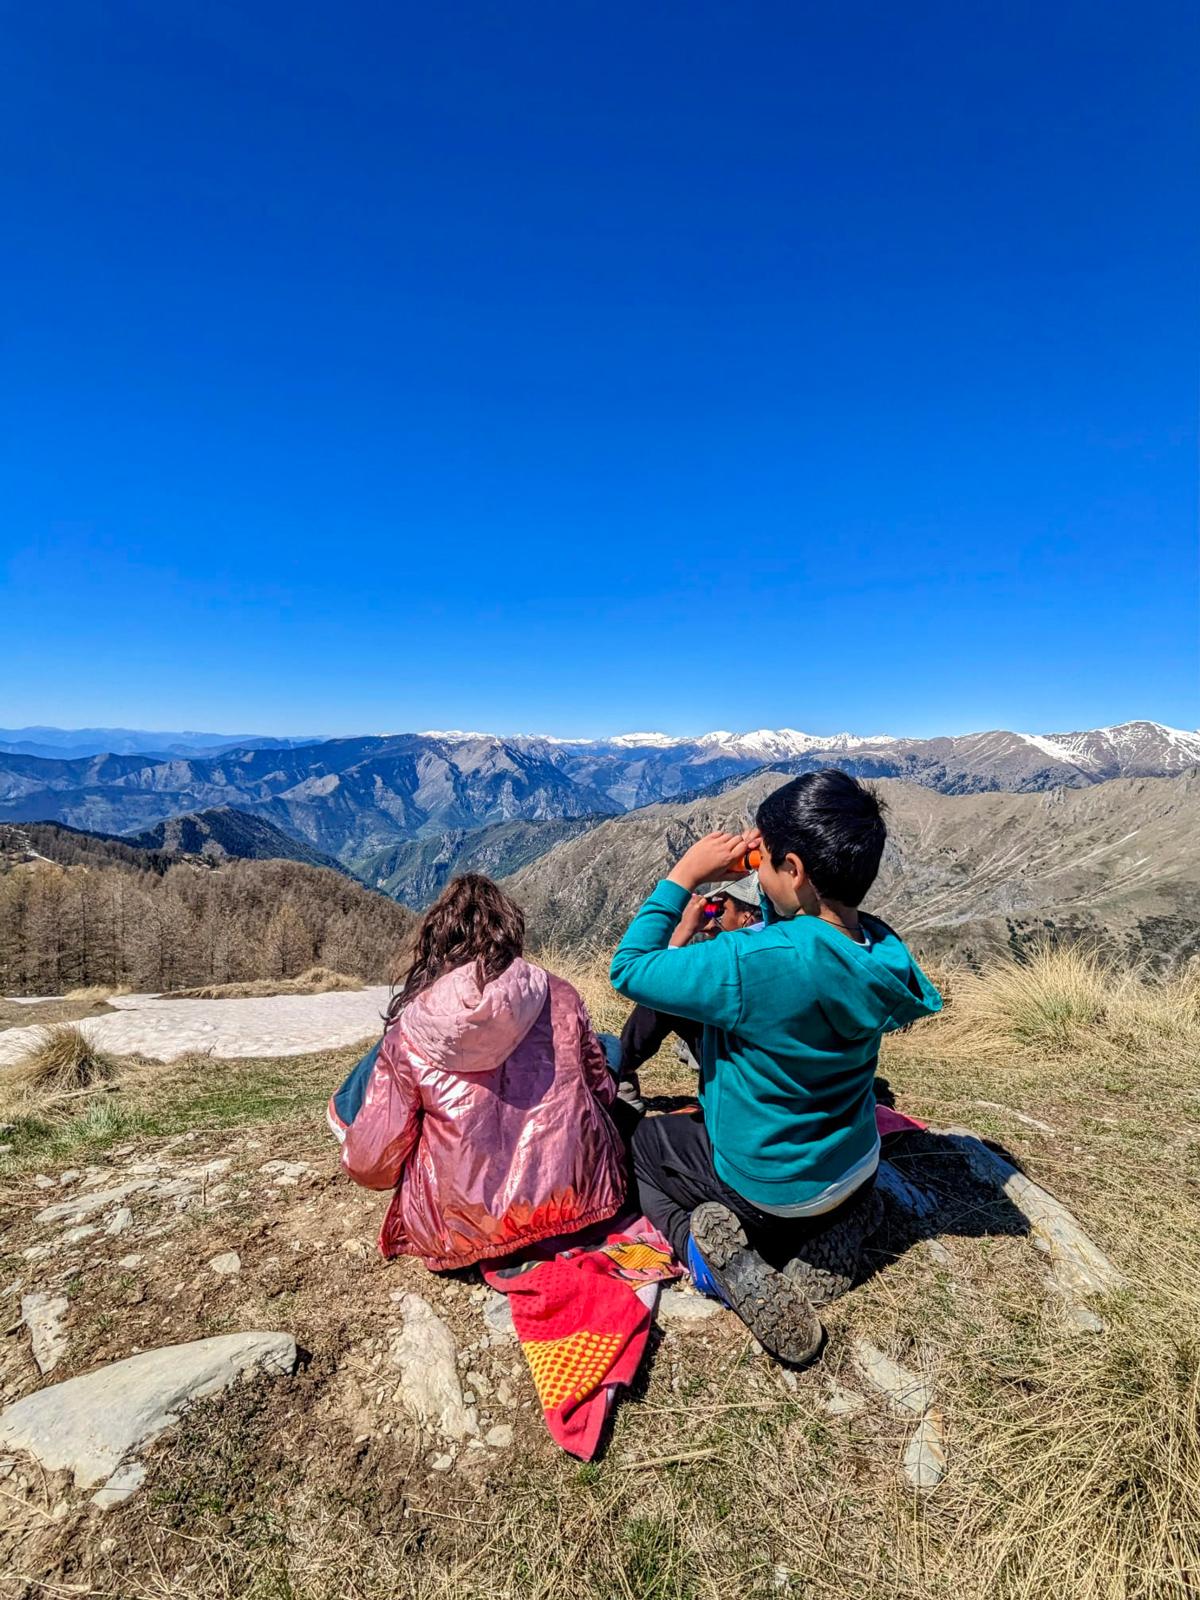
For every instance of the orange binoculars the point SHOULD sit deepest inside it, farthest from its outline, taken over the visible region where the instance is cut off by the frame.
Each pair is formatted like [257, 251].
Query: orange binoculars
[747, 863]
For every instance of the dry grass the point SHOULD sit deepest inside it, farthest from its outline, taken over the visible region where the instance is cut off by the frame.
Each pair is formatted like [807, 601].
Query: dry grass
[95, 993]
[317, 980]
[59, 1066]
[1059, 1001]
[1075, 1458]
[587, 969]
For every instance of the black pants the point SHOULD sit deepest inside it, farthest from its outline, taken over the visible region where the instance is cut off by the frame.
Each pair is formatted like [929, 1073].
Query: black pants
[673, 1165]
[646, 1031]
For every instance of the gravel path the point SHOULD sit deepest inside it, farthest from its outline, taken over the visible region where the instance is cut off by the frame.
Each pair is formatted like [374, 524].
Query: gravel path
[277, 1025]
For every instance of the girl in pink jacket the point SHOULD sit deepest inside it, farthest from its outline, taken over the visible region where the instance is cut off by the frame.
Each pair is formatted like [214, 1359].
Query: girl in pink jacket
[486, 1104]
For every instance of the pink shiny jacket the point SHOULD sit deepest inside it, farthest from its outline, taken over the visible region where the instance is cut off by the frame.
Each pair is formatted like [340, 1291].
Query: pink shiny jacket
[486, 1112]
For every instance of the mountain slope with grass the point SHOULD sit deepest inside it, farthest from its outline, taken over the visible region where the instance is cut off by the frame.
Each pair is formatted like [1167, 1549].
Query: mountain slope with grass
[1116, 863]
[203, 1198]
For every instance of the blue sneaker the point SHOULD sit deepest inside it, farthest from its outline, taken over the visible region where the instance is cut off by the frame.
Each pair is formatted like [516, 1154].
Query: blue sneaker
[774, 1307]
[701, 1276]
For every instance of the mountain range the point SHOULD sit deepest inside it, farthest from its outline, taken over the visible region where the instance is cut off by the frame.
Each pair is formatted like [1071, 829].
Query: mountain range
[1116, 863]
[360, 800]
[58, 743]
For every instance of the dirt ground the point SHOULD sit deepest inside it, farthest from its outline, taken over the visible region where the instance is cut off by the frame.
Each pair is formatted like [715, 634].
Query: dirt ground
[42, 1013]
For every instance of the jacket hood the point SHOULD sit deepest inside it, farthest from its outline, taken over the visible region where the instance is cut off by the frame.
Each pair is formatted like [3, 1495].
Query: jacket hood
[459, 1026]
[872, 987]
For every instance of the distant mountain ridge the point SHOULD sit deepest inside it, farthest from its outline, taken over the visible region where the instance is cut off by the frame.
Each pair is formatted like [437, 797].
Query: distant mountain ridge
[59, 743]
[354, 798]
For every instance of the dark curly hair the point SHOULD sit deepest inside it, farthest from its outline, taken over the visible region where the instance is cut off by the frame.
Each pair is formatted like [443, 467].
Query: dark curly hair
[471, 920]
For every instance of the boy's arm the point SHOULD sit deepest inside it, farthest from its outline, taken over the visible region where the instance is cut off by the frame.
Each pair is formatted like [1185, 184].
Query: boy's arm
[700, 981]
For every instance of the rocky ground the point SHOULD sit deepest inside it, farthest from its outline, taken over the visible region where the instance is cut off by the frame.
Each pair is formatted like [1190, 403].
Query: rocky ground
[998, 1401]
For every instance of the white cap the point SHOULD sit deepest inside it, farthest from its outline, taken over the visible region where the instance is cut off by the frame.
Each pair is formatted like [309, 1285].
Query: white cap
[744, 889]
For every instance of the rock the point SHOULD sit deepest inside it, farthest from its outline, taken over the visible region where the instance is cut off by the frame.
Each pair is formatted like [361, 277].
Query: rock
[479, 1383]
[903, 1194]
[69, 1177]
[504, 1395]
[903, 1390]
[286, 1174]
[680, 1305]
[43, 1315]
[840, 1402]
[121, 1219]
[925, 1457]
[500, 1437]
[6, 1149]
[41, 1181]
[938, 1253]
[126, 1480]
[1020, 1116]
[497, 1313]
[90, 1425]
[1073, 1309]
[89, 1201]
[227, 1264]
[1078, 1265]
[130, 1261]
[77, 1235]
[425, 1352]
[441, 1463]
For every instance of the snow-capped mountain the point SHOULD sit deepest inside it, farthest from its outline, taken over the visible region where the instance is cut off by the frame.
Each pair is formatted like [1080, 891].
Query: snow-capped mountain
[777, 744]
[355, 797]
[1131, 749]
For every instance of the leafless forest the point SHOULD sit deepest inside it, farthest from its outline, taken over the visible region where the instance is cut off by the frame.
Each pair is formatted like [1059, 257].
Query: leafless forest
[169, 926]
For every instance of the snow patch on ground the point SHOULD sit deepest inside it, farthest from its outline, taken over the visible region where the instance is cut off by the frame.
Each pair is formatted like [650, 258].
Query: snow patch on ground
[275, 1025]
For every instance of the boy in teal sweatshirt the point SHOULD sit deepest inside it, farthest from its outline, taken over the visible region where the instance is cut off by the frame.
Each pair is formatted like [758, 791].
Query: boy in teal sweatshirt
[785, 1142]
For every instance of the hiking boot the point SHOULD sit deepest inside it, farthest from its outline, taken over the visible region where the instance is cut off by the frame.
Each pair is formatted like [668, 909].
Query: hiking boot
[826, 1264]
[776, 1310]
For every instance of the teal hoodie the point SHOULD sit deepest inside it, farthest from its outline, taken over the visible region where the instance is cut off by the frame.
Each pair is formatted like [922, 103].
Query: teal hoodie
[793, 1013]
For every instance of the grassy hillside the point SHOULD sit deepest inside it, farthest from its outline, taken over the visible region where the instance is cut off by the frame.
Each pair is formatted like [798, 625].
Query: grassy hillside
[969, 876]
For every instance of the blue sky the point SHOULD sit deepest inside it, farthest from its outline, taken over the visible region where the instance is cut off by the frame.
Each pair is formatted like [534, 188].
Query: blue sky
[580, 367]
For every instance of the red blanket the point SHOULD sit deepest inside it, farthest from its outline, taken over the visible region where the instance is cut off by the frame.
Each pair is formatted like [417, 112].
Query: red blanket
[583, 1324]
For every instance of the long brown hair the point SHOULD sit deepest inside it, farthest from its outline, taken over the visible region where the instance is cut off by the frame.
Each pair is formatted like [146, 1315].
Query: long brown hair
[471, 920]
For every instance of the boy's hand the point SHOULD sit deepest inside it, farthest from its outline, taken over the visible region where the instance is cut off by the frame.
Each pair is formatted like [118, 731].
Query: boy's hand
[709, 860]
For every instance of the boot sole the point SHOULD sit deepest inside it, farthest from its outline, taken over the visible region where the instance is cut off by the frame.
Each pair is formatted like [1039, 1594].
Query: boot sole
[775, 1309]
